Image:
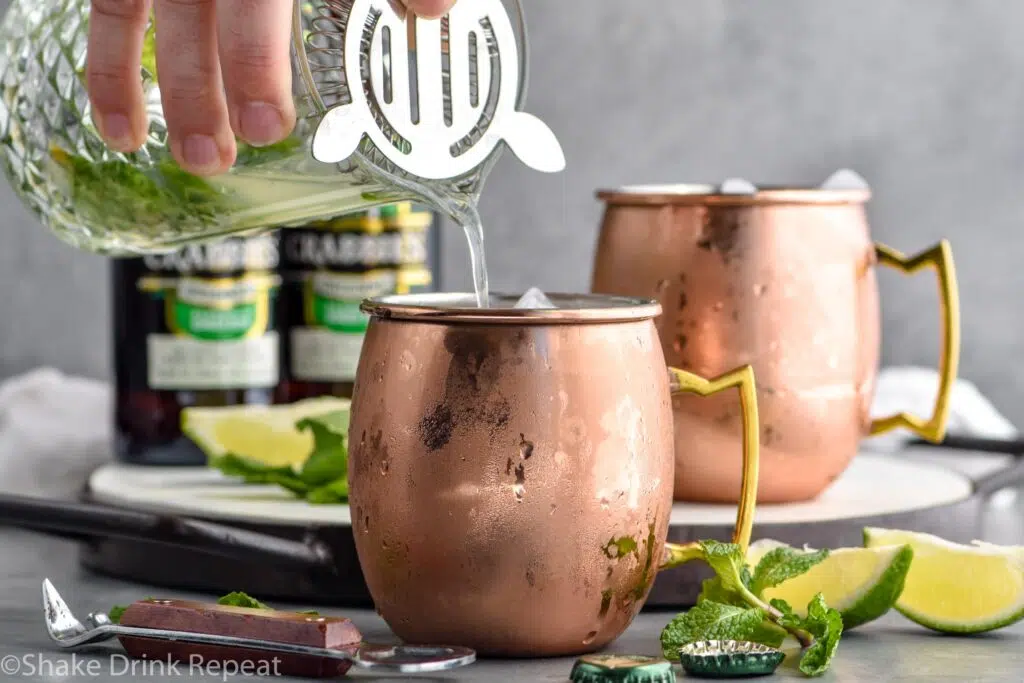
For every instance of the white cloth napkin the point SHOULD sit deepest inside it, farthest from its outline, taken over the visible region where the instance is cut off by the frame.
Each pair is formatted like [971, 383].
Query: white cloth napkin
[912, 389]
[55, 429]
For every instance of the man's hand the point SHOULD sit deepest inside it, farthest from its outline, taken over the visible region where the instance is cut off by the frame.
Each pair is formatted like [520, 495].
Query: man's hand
[224, 70]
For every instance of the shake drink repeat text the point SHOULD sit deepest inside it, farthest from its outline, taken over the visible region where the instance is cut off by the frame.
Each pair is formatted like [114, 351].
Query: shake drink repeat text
[47, 665]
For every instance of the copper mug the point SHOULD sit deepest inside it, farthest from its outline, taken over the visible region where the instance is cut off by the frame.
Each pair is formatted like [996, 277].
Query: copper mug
[784, 280]
[511, 470]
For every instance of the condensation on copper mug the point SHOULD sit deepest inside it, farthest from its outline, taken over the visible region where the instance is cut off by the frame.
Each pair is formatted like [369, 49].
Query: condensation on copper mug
[511, 484]
[785, 284]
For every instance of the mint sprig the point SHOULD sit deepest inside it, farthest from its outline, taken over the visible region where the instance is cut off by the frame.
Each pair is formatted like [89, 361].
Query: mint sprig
[323, 478]
[240, 599]
[731, 607]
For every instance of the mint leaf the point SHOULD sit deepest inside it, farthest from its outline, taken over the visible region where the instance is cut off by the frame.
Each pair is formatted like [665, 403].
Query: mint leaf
[240, 599]
[329, 460]
[788, 618]
[249, 156]
[288, 481]
[336, 422]
[745, 575]
[323, 479]
[116, 612]
[826, 625]
[727, 561]
[713, 590]
[334, 493]
[714, 621]
[255, 472]
[822, 622]
[782, 564]
[241, 466]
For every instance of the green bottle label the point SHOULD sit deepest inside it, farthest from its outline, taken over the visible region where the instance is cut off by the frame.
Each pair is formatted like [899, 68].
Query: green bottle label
[330, 269]
[212, 324]
[221, 309]
[207, 316]
[338, 316]
[332, 300]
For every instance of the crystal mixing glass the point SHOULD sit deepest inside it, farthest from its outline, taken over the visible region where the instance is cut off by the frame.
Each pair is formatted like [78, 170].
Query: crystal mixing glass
[386, 112]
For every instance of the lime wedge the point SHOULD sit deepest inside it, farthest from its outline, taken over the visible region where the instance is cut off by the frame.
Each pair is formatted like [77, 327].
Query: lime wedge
[861, 583]
[956, 588]
[266, 434]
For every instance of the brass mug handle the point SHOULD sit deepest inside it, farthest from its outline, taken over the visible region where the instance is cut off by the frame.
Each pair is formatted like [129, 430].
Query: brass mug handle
[939, 257]
[743, 379]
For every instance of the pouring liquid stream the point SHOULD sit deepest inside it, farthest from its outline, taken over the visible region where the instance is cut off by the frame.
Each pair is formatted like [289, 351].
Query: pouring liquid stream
[474, 229]
[464, 210]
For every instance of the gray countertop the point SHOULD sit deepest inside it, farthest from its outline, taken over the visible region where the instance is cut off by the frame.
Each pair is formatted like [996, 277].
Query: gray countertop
[891, 649]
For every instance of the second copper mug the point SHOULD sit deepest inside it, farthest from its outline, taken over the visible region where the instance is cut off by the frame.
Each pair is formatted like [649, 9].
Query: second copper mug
[784, 280]
[511, 470]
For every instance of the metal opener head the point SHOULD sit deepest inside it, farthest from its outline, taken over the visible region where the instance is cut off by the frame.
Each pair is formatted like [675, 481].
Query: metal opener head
[430, 99]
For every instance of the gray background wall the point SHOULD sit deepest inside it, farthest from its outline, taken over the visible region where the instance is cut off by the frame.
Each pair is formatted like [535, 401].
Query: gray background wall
[922, 97]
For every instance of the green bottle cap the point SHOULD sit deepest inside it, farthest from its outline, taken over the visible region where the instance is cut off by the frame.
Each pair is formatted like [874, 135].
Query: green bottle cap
[622, 669]
[729, 659]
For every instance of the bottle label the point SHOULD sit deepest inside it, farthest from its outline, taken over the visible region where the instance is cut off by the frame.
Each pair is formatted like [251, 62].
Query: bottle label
[330, 270]
[204, 318]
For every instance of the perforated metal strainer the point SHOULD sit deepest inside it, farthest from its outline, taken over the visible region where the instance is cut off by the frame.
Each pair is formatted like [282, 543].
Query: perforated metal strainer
[428, 99]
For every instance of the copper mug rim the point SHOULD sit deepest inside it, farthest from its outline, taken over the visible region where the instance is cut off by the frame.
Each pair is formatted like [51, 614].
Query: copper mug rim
[698, 194]
[459, 307]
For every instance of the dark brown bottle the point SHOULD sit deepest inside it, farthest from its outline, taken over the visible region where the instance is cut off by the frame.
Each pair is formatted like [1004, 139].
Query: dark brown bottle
[327, 270]
[197, 327]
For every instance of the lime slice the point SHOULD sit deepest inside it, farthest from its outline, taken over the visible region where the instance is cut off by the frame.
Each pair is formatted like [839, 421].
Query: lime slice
[956, 588]
[266, 434]
[862, 584]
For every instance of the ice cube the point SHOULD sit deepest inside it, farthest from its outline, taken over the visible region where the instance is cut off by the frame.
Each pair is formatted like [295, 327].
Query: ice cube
[534, 299]
[738, 186]
[845, 179]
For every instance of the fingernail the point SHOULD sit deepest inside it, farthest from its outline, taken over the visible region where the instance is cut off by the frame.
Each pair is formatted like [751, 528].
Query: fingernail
[261, 123]
[117, 130]
[201, 152]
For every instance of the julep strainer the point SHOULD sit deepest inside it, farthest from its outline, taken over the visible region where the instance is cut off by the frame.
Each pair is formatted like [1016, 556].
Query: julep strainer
[436, 97]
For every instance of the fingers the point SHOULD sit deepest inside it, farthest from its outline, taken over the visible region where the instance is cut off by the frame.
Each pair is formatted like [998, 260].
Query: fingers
[431, 9]
[116, 30]
[191, 86]
[245, 55]
[255, 49]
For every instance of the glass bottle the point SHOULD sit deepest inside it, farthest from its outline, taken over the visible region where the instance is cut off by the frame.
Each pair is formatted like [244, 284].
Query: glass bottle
[194, 327]
[327, 269]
